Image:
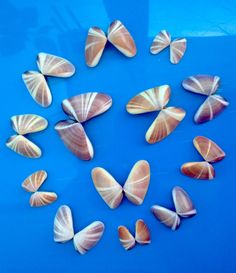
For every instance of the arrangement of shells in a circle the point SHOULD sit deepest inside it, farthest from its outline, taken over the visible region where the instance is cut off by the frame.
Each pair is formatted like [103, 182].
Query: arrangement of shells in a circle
[83, 107]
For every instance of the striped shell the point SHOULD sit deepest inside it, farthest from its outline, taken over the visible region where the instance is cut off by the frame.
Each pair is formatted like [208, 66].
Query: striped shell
[95, 44]
[75, 139]
[208, 149]
[160, 42]
[37, 87]
[51, 65]
[183, 203]
[119, 36]
[28, 123]
[41, 198]
[107, 187]
[33, 182]
[165, 123]
[150, 100]
[198, 170]
[177, 50]
[126, 238]
[86, 106]
[23, 146]
[88, 237]
[63, 225]
[142, 233]
[137, 183]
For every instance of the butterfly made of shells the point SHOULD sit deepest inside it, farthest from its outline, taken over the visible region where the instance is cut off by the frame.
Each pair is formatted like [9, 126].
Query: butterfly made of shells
[84, 240]
[177, 46]
[206, 85]
[32, 184]
[156, 99]
[49, 65]
[210, 152]
[135, 187]
[23, 125]
[183, 205]
[117, 35]
[142, 235]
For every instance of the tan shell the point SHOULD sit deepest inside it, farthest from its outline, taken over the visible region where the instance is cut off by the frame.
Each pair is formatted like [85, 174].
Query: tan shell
[177, 50]
[142, 233]
[160, 42]
[41, 198]
[33, 182]
[126, 238]
[198, 170]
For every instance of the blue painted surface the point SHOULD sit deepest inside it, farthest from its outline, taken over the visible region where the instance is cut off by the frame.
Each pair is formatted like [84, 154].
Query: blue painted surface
[203, 244]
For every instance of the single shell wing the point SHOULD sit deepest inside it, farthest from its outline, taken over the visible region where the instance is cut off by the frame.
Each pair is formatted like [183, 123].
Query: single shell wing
[119, 36]
[95, 44]
[126, 238]
[42, 198]
[51, 65]
[37, 87]
[142, 233]
[86, 106]
[63, 225]
[107, 187]
[88, 237]
[75, 139]
[177, 50]
[183, 203]
[160, 42]
[153, 99]
[137, 183]
[165, 123]
[33, 182]
[198, 170]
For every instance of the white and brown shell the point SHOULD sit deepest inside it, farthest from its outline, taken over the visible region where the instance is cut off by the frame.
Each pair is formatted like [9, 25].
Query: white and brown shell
[33, 182]
[199, 170]
[42, 198]
[142, 233]
[126, 238]
[177, 50]
[160, 42]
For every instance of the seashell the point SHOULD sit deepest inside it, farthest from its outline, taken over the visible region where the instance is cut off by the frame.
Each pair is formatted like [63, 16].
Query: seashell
[208, 149]
[210, 108]
[88, 237]
[150, 100]
[95, 44]
[202, 84]
[51, 65]
[126, 238]
[75, 139]
[37, 87]
[183, 204]
[177, 50]
[86, 106]
[142, 233]
[28, 123]
[42, 198]
[23, 146]
[119, 36]
[166, 216]
[107, 187]
[165, 123]
[160, 42]
[33, 182]
[137, 183]
[63, 225]
[198, 170]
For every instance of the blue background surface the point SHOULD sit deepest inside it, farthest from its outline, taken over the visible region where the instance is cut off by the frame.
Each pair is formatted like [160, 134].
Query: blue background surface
[203, 244]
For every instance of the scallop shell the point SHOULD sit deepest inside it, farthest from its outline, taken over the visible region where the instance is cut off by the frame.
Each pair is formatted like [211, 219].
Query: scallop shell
[33, 182]
[37, 87]
[177, 50]
[119, 36]
[88, 237]
[63, 225]
[183, 203]
[86, 106]
[160, 42]
[51, 65]
[208, 149]
[126, 238]
[137, 183]
[42, 198]
[75, 139]
[150, 100]
[95, 44]
[198, 170]
[142, 233]
[23, 146]
[107, 187]
[165, 123]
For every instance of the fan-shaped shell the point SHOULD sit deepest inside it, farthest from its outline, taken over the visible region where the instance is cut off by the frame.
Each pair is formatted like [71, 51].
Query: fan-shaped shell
[177, 50]
[126, 238]
[160, 42]
[42, 198]
[142, 233]
[33, 182]
[198, 170]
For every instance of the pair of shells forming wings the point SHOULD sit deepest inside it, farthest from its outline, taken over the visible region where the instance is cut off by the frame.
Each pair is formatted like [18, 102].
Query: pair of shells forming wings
[142, 235]
[26, 124]
[79, 109]
[135, 187]
[206, 85]
[210, 152]
[49, 65]
[32, 184]
[156, 99]
[84, 240]
[117, 35]
[183, 205]
[177, 46]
